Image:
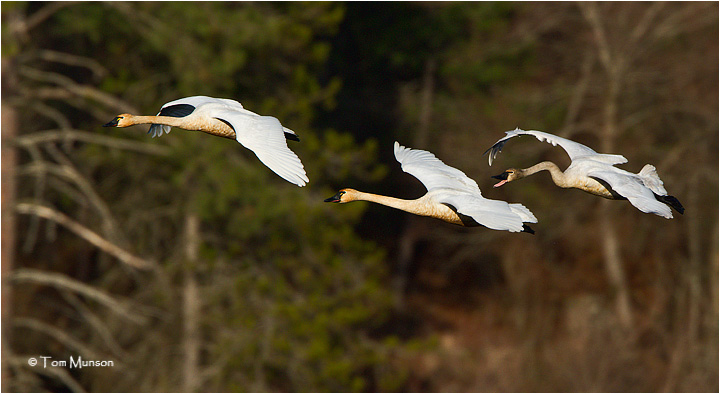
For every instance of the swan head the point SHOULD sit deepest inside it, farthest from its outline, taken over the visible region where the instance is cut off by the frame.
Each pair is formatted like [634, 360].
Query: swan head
[122, 120]
[343, 196]
[509, 175]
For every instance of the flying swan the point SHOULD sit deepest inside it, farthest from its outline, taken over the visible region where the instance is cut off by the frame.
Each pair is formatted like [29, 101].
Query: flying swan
[264, 135]
[451, 196]
[595, 173]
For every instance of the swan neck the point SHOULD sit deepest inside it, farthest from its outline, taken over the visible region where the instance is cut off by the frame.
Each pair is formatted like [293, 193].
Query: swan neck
[392, 202]
[423, 206]
[165, 120]
[557, 175]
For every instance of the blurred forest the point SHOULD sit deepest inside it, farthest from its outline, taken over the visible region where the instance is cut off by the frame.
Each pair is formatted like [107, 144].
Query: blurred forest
[193, 267]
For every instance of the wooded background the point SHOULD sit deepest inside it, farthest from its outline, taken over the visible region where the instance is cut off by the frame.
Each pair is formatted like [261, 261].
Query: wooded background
[194, 268]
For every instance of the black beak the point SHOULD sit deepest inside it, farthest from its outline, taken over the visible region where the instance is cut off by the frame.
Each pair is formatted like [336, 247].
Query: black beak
[502, 177]
[112, 123]
[335, 198]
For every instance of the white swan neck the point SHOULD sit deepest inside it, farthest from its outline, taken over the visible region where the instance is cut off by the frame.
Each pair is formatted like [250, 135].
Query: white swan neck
[558, 177]
[392, 202]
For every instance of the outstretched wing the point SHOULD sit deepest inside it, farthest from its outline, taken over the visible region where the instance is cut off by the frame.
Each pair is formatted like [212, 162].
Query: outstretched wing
[265, 136]
[632, 188]
[573, 149]
[431, 171]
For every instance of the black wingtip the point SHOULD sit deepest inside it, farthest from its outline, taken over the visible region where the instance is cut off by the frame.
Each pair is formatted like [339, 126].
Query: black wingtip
[675, 203]
[527, 229]
[291, 137]
[672, 202]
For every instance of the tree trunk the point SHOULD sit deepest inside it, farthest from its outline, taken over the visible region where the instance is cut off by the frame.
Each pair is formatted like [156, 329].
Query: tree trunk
[9, 163]
[611, 251]
[191, 307]
[613, 65]
[614, 268]
[427, 93]
[415, 227]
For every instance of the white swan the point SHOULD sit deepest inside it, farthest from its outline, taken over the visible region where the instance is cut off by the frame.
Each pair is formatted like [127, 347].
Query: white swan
[595, 173]
[451, 196]
[264, 135]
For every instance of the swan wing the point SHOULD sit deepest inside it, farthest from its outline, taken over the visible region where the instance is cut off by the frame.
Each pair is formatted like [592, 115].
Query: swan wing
[608, 159]
[197, 101]
[265, 136]
[632, 188]
[573, 149]
[493, 214]
[431, 171]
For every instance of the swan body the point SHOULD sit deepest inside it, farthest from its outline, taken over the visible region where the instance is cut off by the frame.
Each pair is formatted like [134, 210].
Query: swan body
[264, 135]
[596, 174]
[452, 196]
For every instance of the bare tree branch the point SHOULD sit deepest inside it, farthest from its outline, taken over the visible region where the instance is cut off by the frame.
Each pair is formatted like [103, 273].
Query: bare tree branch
[65, 283]
[38, 190]
[91, 138]
[67, 168]
[58, 373]
[46, 12]
[694, 15]
[86, 191]
[576, 100]
[57, 334]
[20, 366]
[80, 90]
[145, 19]
[96, 323]
[73, 60]
[87, 234]
[591, 13]
[42, 169]
[644, 24]
[51, 113]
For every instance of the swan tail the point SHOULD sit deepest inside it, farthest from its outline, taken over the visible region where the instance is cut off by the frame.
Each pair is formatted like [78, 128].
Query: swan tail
[651, 180]
[524, 213]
